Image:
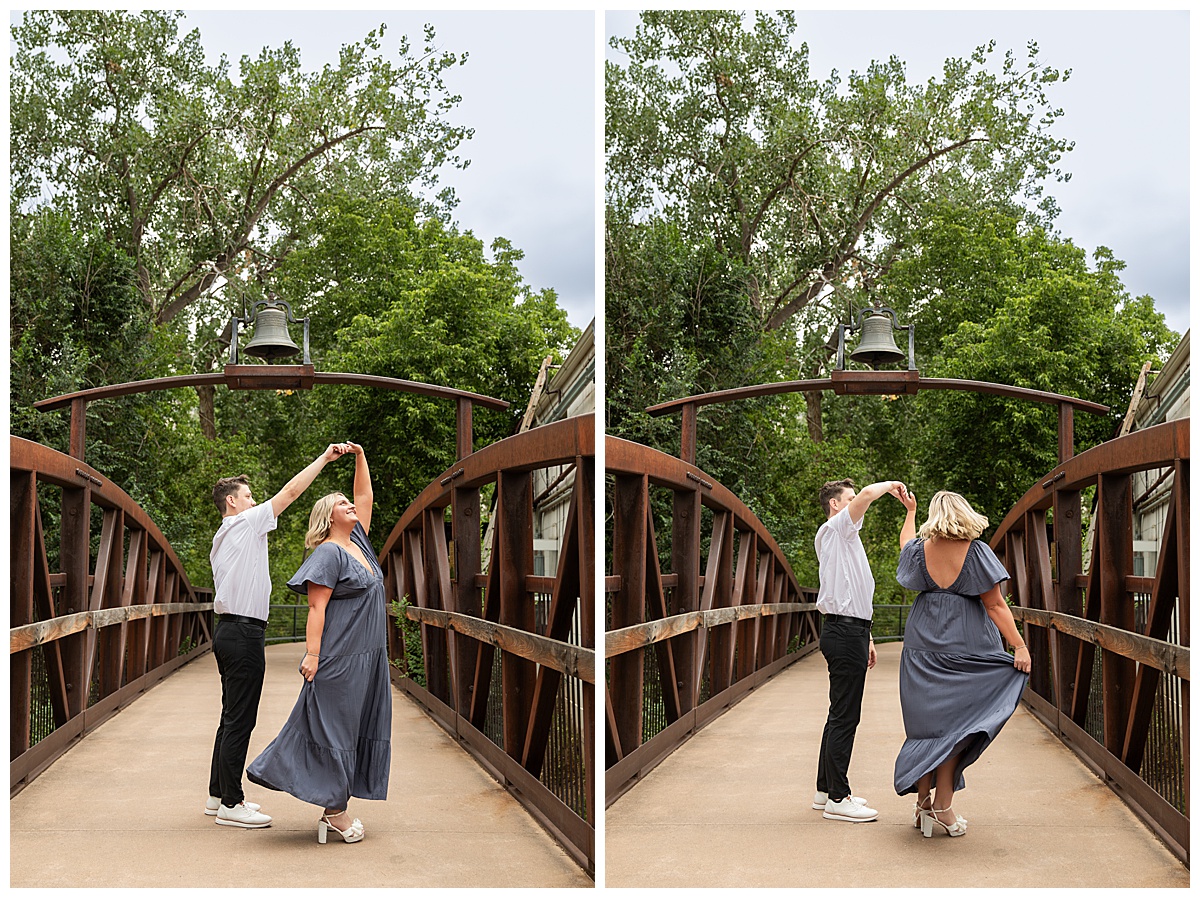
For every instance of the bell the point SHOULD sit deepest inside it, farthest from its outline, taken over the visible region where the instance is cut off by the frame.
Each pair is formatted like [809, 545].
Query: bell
[877, 346]
[271, 339]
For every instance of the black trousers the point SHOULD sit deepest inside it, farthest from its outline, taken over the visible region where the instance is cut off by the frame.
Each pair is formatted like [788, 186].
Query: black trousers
[241, 658]
[846, 646]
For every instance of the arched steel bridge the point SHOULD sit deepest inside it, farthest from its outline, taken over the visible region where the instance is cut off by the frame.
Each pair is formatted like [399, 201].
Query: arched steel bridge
[505, 663]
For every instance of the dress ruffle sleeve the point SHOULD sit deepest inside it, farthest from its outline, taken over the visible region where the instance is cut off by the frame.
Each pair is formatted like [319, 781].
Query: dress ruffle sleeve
[981, 571]
[325, 567]
[910, 572]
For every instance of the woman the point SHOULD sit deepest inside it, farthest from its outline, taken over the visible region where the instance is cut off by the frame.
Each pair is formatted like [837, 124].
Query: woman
[958, 686]
[337, 741]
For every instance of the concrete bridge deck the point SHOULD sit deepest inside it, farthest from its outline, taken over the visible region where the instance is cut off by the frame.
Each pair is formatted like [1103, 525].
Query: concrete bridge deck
[732, 807]
[125, 808]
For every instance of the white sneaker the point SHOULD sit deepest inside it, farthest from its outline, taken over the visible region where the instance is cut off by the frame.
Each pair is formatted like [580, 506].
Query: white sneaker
[820, 798]
[213, 805]
[849, 810]
[241, 815]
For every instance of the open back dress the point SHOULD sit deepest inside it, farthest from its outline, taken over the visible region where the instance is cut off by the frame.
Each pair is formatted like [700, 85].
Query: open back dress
[958, 686]
[337, 741]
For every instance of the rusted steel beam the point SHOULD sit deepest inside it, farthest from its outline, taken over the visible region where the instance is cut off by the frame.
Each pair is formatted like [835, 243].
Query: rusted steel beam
[720, 572]
[466, 596]
[1154, 447]
[563, 602]
[1114, 545]
[515, 505]
[588, 525]
[464, 442]
[744, 594]
[550, 444]
[1158, 620]
[687, 434]
[1068, 558]
[887, 381]
[627, 607]
[265, 377]
[685, 592]
[22, 563]
[74, 537]
[657, 608]
[1163, 656]
[485, 656]
[1066, 432]
[568, 659]
[439, 660]
[59, 469]
[625, 457]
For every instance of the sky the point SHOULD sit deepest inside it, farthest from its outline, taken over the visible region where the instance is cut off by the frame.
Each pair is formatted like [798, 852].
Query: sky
[1126, 107]
[528, 89]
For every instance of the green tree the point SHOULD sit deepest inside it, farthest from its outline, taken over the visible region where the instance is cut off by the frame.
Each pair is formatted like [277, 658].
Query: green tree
[391, 293]
[993, 299]
[716, 124]
[117, 119]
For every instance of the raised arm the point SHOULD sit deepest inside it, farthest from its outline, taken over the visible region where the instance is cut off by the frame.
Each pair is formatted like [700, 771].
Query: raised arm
[868, 494]
[909, 529]
[364, 496]
[298, 484]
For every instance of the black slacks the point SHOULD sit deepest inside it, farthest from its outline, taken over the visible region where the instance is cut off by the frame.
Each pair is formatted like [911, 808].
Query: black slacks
[846, 646]
[241, 658]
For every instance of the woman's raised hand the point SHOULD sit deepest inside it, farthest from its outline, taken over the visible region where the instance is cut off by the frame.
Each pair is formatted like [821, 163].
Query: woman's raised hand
[907, 498]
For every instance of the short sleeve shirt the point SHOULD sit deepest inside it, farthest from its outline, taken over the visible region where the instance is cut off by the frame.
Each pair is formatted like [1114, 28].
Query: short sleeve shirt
[241, 571]
[847, 585]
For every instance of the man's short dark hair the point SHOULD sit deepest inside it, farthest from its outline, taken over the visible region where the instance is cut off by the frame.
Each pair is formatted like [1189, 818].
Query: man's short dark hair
[228, 486]
[832, 490]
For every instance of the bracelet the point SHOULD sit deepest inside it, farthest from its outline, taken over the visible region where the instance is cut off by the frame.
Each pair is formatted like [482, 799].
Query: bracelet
[314, 654]
[1019, 647]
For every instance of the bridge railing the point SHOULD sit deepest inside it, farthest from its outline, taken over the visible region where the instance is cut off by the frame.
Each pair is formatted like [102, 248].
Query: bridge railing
[682, 646]
[508, 653]
[1111, 657]
[94, 622]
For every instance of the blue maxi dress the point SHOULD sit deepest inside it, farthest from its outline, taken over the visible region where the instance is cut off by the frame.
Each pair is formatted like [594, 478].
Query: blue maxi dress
[958, 686]
[337, 741]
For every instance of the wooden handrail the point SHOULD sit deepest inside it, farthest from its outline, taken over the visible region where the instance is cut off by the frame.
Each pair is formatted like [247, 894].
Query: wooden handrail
[572, 660]
[640, 636]
[46, 631]
[1165, 656]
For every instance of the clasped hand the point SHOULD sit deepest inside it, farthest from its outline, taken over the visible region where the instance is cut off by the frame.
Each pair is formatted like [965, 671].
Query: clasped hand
[308, 666]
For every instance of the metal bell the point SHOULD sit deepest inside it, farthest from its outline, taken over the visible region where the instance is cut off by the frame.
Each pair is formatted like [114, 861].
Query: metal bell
[877, 346]
[271, 339]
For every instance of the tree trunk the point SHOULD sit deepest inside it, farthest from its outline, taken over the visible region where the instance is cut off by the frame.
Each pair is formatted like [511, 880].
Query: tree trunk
[812, 415]
[208, 415]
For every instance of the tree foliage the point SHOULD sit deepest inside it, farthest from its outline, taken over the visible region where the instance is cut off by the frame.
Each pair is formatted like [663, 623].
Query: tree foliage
[751, 207]
[139, 172]
[118, 120]
[717, 125]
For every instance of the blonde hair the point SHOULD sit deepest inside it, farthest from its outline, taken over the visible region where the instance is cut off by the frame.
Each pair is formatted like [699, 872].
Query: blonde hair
[952, 517]
[319, 520]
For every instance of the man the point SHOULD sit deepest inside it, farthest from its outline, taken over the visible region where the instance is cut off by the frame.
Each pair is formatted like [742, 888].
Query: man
[242, 599]
[844, 598]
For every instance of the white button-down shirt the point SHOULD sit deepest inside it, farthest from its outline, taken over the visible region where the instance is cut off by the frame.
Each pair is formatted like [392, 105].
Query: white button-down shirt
[241, 570]
[847, 585]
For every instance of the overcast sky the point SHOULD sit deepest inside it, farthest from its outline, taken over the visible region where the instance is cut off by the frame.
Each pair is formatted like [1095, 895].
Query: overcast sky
[1126, 107]
[528, 90]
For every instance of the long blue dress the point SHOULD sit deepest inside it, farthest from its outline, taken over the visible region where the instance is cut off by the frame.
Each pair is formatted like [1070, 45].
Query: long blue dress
[958, 686]
[337, 741]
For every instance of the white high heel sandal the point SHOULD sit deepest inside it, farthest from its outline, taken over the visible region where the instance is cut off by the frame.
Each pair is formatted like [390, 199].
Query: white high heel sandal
[957, 828]
[919, 811]
[354, 833]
